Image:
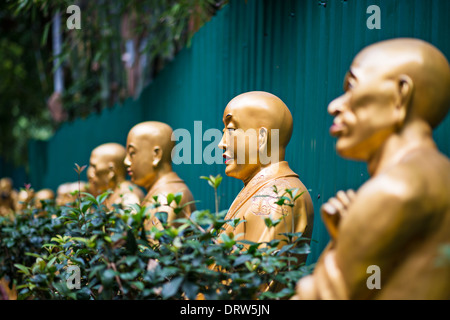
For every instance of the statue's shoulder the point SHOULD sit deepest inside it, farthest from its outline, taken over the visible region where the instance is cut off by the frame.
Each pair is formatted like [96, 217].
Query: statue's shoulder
[264, 201]
[130, 187]
[422, 176]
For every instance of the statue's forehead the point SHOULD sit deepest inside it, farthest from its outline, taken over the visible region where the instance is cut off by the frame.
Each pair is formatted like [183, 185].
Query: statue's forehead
[243, 107]
[386, 59]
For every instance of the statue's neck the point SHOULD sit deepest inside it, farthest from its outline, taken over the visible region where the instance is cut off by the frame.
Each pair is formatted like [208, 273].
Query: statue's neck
[261, 167]
[412, 136]
[164, 169]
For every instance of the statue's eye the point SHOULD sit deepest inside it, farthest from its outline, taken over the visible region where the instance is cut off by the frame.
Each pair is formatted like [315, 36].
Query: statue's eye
[348, 86]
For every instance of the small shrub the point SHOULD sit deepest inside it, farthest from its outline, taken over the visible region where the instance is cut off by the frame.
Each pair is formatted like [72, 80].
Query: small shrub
[118, 259]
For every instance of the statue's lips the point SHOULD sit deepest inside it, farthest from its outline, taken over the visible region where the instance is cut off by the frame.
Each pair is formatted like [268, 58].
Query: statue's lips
[227, 158]
[337, 130]
[130, 173]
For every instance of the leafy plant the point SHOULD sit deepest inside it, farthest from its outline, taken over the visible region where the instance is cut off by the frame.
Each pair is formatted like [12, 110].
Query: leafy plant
[215, 183]
[147, 34]
[117, 258]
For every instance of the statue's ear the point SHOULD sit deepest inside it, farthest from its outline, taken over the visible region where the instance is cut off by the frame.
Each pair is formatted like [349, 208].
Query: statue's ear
[263, 138]
[111, 170]
[405, 93]
[157, 155]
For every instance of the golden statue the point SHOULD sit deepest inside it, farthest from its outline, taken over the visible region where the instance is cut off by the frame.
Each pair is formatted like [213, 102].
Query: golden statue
[258, 127]
[388, 236]
[149, 162]
[67, 192]
[7, 207]
[107, 172]
[24, 200]
[41, 196]
[7, 197]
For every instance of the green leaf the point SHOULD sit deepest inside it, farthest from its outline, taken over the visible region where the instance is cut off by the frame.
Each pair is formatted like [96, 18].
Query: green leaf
[170, 288]
[285, 248]
[241, 259]
[89, 197]
[96, 269]
[131, 244]
[22, 268]
[162, 216]
[34, 254]
[170, 198]
[102, 197]
[297, 196]
[178, 197]
[130, 260]
[127, 276]
[271, 223]
[302, 249]
[227, 240]
[138, 285]
[217, 181]
[51, 262]
[108, 278]
[190, 289]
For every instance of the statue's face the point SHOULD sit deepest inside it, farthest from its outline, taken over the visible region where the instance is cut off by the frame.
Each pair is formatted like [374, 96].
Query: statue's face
[366, 114]
[5, 185]
[139, 159]
[43, 195]
[240, 143]
[99, 172]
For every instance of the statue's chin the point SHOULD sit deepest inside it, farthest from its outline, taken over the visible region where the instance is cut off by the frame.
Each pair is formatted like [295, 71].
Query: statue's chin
[349, 154]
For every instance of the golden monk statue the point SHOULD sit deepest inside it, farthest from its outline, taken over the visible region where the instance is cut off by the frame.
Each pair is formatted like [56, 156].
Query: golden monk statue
[67, 192]
[24, 200]
[387, 237]
[43, 195]
[149, 162]
[258, 127]
[107, 172]
[7, 197]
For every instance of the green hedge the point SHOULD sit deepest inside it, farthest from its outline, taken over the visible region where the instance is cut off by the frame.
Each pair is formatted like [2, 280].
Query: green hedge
[118, 259]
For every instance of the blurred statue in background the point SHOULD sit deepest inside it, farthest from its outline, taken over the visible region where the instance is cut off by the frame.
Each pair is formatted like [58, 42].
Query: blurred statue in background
[66, 194]
[258, 127]
[388, 237]
[107, 172]
[24, 200]
[7, 197]
[41, 197]
[149, 162]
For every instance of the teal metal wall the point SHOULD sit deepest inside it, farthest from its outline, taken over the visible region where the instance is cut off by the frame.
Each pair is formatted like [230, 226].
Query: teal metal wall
[18, 174]
[298, 50]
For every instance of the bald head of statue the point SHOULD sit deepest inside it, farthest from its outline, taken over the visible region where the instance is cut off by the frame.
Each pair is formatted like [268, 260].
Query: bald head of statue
[6, 184]
[258, 127]
[43, 195]
[148, 153]
[390, 85]
[106, 168]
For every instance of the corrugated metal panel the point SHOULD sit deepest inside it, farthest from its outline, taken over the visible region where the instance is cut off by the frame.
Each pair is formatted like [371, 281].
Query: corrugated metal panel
[298, 50]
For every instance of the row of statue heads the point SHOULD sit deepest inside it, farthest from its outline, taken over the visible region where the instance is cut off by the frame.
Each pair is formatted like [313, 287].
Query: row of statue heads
[396, 92]
[13, 201]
